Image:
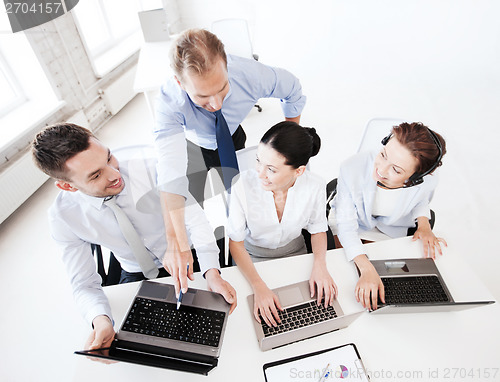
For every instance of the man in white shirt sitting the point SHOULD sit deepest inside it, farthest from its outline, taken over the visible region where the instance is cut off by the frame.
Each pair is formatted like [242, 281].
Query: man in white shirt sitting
[89, 175]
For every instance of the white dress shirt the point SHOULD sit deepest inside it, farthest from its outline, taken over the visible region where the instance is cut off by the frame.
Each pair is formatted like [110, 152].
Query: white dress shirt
[353, 205]
[77, 220]
[385, 201]
[253, 217]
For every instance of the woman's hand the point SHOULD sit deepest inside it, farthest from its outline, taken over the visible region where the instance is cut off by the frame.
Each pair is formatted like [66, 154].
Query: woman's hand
[320, 280]
[323, 283]
[267, 304]
[429, 240]
[369, 285]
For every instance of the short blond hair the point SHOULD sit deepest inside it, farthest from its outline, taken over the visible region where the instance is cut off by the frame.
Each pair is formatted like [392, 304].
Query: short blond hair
[196, 51]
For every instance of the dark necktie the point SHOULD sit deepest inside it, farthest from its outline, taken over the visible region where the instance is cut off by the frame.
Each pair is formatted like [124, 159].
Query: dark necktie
[225, 146]
[148, 266]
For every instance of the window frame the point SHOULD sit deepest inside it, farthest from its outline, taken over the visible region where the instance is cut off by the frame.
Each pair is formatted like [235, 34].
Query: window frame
[20, 96]
[115, 50]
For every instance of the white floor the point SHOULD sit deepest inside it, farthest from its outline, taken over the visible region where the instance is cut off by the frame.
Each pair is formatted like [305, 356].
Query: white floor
[346, 87]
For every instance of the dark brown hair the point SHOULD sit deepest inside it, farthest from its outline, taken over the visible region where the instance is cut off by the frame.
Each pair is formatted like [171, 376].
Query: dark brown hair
[417, 138]
[196, 51]
[55, 144]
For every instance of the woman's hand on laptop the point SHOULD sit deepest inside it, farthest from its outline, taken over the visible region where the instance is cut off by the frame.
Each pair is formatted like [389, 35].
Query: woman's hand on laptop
[267, 303]
[430, 242]
[369, 285]
[321, 283]
[218, 285]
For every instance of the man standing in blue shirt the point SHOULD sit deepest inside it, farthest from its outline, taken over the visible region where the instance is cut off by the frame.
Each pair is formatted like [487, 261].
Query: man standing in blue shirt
[206, 81]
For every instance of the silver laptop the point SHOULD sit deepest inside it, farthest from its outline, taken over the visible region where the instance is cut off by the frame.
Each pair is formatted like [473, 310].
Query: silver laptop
[155, 333]
[302, 317]
[415, 285]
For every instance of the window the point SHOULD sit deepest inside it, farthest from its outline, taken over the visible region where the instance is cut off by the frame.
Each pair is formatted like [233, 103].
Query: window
[11, 94]
[110, 30]
[26, 96]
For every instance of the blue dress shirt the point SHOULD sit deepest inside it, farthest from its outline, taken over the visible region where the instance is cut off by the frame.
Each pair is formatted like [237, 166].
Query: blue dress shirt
[178, 118]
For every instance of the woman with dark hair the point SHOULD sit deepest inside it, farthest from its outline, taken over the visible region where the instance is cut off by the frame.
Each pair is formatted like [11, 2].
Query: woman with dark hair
[269, 207]
[388, 192]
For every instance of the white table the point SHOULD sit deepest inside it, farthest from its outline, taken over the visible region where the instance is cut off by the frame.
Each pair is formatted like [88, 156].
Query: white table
[153, 69]
[398, 347]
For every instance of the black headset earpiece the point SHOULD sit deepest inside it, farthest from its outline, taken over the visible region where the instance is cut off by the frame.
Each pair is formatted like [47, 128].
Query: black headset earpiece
[386, 139]
[414, 180]
[418, 178]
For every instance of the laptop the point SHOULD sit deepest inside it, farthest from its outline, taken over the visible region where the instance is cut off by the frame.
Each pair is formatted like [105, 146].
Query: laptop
[415, 285]
[155, 333]
[301, 318]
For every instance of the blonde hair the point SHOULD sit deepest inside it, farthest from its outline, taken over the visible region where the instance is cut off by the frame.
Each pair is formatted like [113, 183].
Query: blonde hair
[196, 51]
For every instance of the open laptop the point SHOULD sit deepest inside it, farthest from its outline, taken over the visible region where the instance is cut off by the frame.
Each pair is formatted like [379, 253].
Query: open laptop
[155, 333]
[302, 317]
[415, 285]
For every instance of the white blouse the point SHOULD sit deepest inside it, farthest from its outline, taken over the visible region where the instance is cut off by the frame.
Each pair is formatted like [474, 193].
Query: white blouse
[385, 201]
[253, 216]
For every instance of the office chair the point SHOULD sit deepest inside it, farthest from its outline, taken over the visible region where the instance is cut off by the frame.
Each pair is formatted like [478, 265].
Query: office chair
[235, 36]
[375, 130]
[214, 186]
[112, 276]
[246, 158]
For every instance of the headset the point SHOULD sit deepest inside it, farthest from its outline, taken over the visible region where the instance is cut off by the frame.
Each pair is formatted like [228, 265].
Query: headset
[418, 178]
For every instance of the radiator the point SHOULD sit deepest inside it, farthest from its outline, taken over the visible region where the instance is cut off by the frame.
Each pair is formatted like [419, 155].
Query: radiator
[18, 182]
[21, 178]
[117, 94]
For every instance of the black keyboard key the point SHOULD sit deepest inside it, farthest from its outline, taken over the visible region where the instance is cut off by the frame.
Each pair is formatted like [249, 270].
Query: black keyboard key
[162, 319]
[413, 290]
[300, 316]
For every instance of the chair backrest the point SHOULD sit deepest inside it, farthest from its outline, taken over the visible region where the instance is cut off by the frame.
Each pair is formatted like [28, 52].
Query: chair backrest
[376, 129]
[235, 36]
[246, 157]
[143, 184]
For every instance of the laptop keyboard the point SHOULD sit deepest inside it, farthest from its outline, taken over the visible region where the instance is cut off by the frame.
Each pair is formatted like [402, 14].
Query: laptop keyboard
[162, 319]
[299, 316]
[413, 290]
